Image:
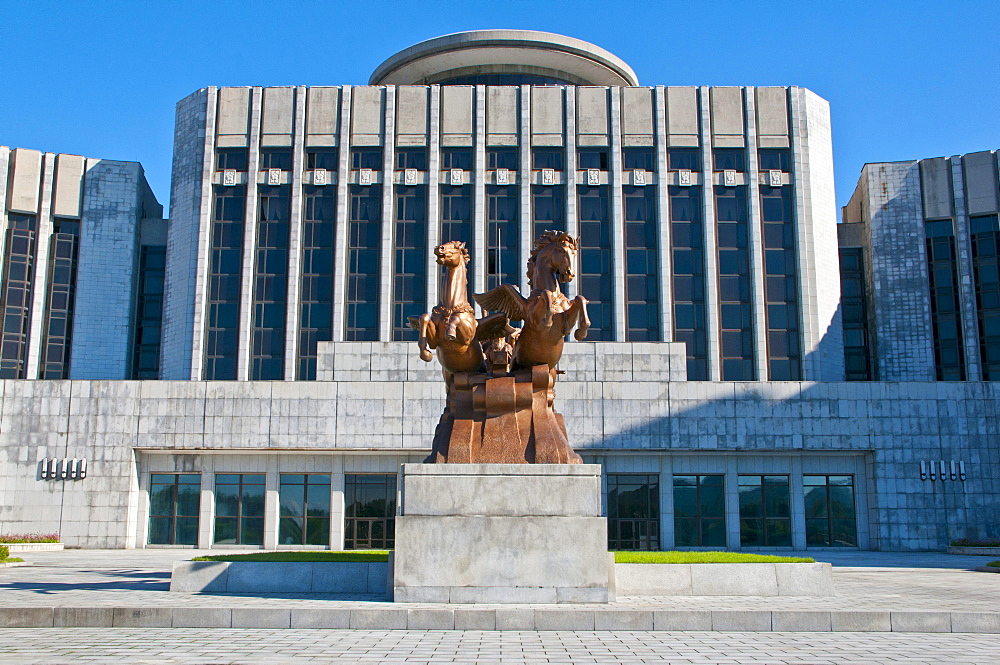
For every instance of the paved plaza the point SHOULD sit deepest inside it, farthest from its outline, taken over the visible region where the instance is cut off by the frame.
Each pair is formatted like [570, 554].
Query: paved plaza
[288, 646]
[118, 582]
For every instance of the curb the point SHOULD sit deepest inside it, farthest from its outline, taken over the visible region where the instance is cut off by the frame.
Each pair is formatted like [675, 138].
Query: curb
[988, 569]
[529, 619]
[15, 564]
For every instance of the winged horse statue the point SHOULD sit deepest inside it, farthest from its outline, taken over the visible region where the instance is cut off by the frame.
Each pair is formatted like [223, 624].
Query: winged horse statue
[547, 313]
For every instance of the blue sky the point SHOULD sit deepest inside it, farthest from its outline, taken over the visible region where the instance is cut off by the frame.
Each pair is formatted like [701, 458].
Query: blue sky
[905, 80]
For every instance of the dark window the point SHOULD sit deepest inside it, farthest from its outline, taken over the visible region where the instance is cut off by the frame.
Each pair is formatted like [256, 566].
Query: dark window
[323, 158]
[58, 326]
[684, 158]
[234, 159]
[305, 509]
[642, 268]
[830, 512]
[633, 511]
[224, 277]
[699, 511]
[239, 508]
[548, 158]
[502, 158]
[774, 159]
[854, 315]
[784, 357]
[363, 249]
[366, 158]
[17, 290]
[411, 158]
[270, 286]
[456, 215]
[729, 159]
[149, 314]
[765, 511]
[316, 294]
[985, 240]
[593, 158]
[639, 158]
[174, 499]
[276, 158]
[548, 206]
[595, 260]
[370, 511]
[687, 251]
[735, 306]
[503, 231]
[456, 158]
[409, 277]
[946, 314]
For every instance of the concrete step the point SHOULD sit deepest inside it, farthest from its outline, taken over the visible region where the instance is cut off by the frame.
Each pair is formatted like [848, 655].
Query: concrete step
[400, 617]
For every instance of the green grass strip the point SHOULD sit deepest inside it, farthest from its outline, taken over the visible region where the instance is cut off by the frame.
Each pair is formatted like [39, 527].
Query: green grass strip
[372, 556]
[12, 559]
[705, 557]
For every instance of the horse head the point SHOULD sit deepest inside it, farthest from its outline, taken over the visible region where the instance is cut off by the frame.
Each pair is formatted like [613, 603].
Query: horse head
[554, 252]
[452, 254]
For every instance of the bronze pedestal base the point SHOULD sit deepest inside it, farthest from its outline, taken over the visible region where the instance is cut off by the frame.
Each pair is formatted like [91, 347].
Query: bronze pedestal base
[502, 420]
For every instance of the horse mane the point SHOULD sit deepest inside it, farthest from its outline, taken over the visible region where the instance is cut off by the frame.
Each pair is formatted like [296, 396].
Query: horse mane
[546, 239]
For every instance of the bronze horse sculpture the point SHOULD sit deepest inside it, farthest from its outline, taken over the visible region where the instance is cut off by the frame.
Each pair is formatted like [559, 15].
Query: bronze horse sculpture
[548, 315]
[452, 328]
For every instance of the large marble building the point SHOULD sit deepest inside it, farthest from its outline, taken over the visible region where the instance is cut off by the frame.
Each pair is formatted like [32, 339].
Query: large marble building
[734, 399]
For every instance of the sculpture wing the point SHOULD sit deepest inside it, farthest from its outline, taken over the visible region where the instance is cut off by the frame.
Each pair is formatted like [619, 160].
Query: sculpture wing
[504, 298]
[414, 322]
[493, 326]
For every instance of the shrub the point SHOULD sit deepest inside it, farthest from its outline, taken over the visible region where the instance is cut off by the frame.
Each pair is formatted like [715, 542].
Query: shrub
[994, 564]
[982, 542]
[4, 552]
[29, 538]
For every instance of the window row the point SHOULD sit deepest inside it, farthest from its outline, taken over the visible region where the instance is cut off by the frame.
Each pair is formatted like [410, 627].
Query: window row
[644, 158]
[305, 503]
[700, 515]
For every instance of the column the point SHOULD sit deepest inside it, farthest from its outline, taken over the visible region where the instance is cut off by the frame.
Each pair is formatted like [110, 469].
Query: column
[711, 251]
[569, 178]
[206, 508]
[524, 181]
[798, 506]
[40, 278]
[388, 216]
[617, 216]
[663, 218]
[203, 232]
[966, 286]
[272, 502]
[479, 240]
[433, 197]
[249, 240]
[343, 216]
[337, 503]
[666, 502]
[292, 310]
[758, 301]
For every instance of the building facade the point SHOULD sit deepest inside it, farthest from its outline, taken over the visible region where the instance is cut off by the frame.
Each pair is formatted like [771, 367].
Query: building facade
[733, 397]
[83, 255]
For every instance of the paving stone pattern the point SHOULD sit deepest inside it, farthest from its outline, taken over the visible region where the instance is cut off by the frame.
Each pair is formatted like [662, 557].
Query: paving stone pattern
[432, 646]
[879, 592]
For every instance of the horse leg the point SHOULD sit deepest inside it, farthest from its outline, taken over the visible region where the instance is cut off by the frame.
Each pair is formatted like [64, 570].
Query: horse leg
[578, 309]
[451, 332]
[425, 324]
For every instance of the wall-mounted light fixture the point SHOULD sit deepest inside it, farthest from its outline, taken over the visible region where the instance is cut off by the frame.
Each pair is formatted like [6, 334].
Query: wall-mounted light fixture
[941, 470]
[63, 469]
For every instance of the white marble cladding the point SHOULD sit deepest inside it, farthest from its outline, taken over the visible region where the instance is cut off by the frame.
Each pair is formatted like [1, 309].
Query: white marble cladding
[619, 423]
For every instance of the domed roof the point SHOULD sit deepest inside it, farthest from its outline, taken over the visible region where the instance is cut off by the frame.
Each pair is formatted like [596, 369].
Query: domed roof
[489, 56]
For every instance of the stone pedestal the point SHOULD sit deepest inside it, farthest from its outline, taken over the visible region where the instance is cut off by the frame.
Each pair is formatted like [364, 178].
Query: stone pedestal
[502, 533]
